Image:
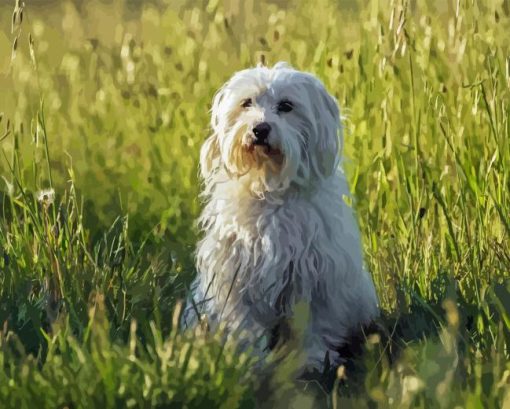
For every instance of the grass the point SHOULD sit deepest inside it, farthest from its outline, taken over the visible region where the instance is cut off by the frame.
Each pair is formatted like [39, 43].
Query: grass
[107, 104]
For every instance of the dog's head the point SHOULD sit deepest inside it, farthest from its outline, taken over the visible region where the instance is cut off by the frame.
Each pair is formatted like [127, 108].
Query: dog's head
[273, 127]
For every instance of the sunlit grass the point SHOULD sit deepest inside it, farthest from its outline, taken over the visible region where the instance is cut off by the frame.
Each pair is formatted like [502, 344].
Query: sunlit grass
[107, 104]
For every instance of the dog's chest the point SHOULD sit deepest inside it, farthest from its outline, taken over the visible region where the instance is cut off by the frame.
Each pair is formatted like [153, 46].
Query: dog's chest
[271, 252]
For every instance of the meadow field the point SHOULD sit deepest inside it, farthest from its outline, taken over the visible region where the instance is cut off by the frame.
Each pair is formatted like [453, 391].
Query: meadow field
[103, 107]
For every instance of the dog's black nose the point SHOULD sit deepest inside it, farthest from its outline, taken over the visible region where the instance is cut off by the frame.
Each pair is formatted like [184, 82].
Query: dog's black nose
[261, 132]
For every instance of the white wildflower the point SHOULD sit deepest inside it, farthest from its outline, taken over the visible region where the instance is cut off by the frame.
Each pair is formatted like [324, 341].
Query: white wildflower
[46, 196]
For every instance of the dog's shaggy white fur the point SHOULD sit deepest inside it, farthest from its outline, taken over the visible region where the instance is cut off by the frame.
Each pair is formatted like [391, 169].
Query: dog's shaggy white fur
[277, 230]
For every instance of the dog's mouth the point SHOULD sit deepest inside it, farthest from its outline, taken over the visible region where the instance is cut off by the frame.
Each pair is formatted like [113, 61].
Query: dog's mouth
[265, 149]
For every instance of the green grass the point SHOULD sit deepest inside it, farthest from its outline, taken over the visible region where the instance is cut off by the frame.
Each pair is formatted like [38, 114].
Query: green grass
[107, 103]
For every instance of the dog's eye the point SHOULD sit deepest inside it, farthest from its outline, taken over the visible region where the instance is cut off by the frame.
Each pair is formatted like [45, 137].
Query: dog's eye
[285, 106]
[247, 103]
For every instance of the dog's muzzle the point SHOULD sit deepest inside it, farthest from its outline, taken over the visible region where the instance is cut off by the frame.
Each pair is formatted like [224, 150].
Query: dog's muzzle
[261, 134]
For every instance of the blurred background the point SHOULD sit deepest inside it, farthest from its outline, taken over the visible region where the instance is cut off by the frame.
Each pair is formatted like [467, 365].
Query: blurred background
[115, 96]
[127, 87]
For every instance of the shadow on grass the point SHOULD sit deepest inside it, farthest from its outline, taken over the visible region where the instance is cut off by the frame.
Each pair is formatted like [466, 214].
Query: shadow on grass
[430, 340]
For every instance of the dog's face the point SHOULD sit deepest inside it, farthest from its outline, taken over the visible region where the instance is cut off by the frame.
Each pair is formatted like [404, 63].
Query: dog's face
[273, 127]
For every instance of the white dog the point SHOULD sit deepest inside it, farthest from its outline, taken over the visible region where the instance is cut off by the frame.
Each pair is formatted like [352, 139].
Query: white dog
[276, 228]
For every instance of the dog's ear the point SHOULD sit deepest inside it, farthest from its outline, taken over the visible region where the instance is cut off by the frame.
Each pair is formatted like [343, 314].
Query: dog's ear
[329, 144]
[216, 116]
[328, 129]
[209, 156]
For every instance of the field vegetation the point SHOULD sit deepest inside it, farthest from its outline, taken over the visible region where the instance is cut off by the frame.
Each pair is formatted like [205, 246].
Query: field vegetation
[103, 108]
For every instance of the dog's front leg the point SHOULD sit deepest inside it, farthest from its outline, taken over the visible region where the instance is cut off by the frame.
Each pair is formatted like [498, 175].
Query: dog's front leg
[319, 356]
